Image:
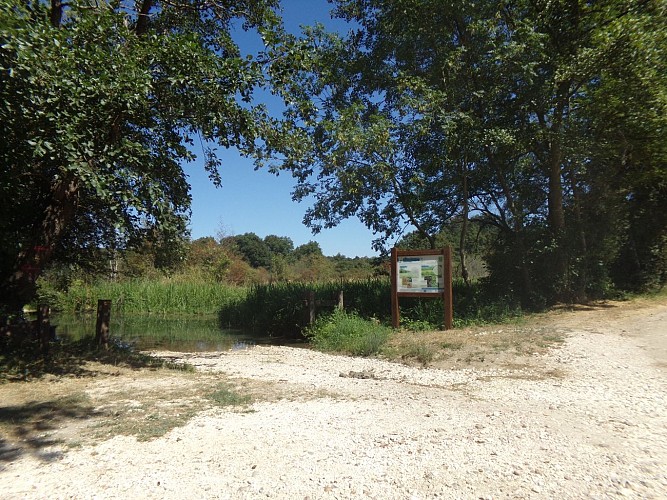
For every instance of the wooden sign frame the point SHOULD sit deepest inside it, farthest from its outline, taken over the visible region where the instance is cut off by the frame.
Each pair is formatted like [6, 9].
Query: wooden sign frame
[444, 293]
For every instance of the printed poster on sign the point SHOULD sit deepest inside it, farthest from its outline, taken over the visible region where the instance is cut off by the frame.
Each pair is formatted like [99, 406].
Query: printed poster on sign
[420, 274]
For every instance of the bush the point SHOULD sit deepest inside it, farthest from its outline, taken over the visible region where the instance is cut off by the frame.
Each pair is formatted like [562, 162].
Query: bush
[348, 333]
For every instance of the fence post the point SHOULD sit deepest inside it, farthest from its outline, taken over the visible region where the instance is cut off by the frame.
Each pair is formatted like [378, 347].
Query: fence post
[44, 327]
[340, 305]
[103, 320]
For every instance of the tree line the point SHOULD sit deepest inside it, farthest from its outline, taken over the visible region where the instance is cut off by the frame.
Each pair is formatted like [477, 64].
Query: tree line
[539, 124]
[240, 260]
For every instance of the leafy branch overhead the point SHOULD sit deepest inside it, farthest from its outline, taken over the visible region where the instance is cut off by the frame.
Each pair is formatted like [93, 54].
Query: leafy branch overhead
[103, 106]
[543, 119]
[542, 123]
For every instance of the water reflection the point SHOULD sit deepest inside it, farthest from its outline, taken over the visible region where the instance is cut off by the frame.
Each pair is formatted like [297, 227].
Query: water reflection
[182, 334]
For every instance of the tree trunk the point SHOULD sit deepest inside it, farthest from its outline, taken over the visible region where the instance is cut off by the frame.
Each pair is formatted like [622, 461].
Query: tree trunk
[464, 224]
[31, 261]
[517, 235]
[142, 21]
[582, 279]
[556, 211]
[56, 13]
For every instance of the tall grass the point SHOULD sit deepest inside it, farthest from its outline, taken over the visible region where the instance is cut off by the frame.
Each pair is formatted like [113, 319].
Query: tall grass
[472, 304]
[151, 297]
[281, 310]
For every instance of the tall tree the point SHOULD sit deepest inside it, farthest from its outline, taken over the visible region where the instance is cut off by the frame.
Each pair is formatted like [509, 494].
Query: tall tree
[101, 107]
[253, 249]
[279, 245]
[429, 111]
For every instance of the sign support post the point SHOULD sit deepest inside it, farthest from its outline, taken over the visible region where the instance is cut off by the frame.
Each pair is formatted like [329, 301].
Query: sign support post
[422, 273]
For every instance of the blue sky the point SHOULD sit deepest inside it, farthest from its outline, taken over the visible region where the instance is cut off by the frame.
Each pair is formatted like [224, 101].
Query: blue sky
[260, 202]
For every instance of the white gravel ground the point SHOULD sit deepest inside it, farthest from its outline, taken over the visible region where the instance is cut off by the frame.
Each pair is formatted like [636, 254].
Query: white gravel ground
[599, 430]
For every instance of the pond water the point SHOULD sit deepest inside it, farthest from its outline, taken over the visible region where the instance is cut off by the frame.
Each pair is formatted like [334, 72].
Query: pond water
[178, 333]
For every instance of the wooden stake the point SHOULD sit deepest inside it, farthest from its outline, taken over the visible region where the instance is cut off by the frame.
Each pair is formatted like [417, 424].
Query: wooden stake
[44, 326]
[103, 320]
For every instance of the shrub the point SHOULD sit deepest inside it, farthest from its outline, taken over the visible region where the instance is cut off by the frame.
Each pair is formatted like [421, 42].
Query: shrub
[348, 333]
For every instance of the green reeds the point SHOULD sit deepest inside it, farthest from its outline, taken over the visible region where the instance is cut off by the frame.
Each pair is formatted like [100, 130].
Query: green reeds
[151, 297]
[281, 309]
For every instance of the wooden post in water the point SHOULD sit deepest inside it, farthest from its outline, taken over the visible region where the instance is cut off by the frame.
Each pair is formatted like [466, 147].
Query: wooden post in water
[44, 328]
[103, 320]
[311, 304]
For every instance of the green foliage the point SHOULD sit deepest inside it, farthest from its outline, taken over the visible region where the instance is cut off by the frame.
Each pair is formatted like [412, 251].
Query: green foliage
[253, 249]
[155, 297]
[417, 325]
[276, 309]
[208, 259]
[536, 118]
[224, 395]
[280, 309]
[279, 245]
[348, 333]
[312, 248]
[99, 111]
[477, 243]
[421, 351]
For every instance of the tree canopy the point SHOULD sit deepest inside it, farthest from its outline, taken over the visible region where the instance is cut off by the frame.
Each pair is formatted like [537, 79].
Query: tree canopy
[102, 106]
[545, 119]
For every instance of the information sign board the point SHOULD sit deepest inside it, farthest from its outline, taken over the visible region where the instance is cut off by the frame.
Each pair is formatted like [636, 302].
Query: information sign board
[423, 273]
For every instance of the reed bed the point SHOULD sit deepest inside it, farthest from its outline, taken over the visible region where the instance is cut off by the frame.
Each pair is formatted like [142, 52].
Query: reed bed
[280, 309]
[151, 297]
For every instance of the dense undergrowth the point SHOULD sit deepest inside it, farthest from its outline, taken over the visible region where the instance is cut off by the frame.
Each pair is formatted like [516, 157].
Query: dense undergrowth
[348, 333]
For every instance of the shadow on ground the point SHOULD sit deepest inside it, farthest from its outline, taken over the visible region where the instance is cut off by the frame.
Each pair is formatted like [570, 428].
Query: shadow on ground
[584, 306]
[27, 362]
[31, 428]
[36, 427]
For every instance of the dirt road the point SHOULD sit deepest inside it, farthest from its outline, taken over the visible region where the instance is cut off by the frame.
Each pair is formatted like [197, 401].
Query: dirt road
[585, 420]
